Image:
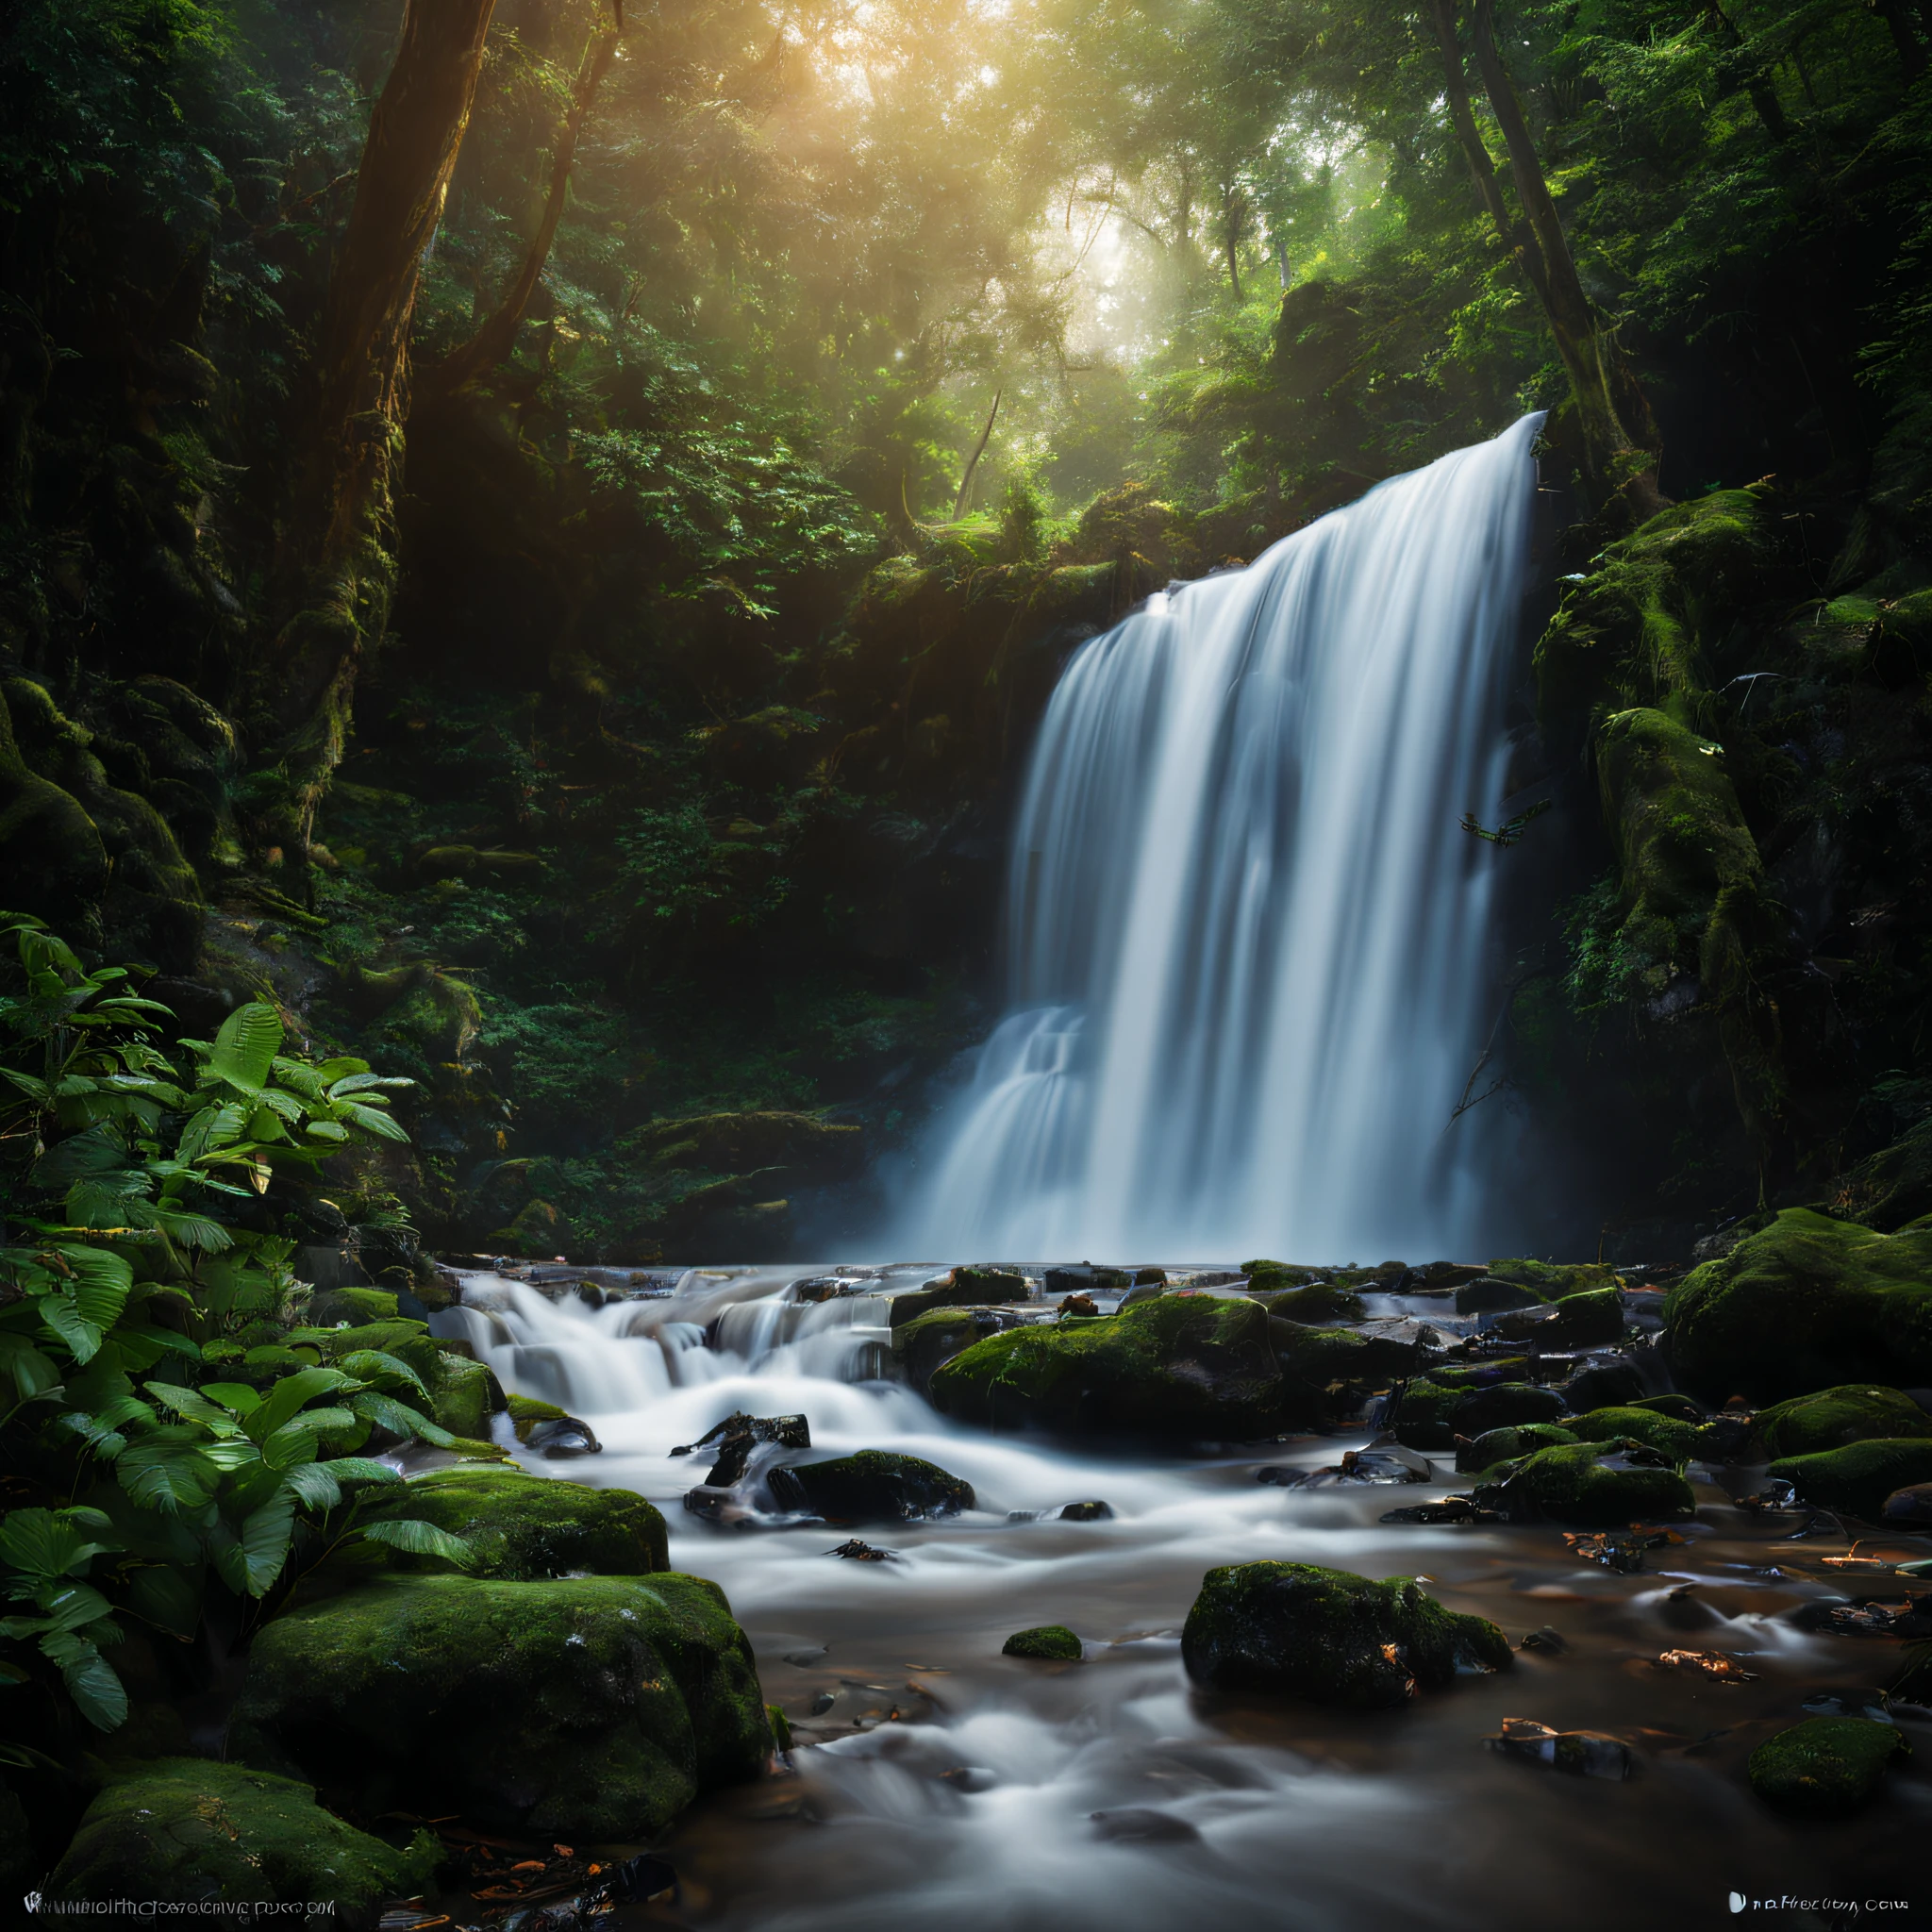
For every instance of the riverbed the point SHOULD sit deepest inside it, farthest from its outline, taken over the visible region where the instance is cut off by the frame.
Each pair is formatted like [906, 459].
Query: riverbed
[936, 1784]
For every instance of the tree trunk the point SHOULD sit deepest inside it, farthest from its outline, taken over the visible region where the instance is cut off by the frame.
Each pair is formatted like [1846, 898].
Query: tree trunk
[1911, 55]
[972, 461]
[492, 342]
[1231, 215]
[1744, 68]
[1619, 434]
[335, 568]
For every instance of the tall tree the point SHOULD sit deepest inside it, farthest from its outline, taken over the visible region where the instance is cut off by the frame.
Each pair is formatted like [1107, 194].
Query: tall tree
[335, 566]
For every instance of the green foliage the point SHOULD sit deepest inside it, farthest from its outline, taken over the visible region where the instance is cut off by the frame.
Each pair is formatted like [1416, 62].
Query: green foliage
[150, 1339]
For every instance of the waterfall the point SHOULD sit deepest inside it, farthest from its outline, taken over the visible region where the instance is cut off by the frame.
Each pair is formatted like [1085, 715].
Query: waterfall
[1245, 930]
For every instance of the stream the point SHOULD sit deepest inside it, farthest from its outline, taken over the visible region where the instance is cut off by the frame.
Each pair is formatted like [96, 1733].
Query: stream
[935, 1783]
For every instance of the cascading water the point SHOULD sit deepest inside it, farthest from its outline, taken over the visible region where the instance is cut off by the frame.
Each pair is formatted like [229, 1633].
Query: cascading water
[1245, 928]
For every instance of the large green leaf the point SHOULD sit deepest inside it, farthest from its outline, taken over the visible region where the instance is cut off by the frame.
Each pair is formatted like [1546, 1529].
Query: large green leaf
[252, 1562]
[63, 1318]
[396, 1417]
[370, 1121]
[370, 1363]
[41, 1545]
[246, 1046]
[363, 1468]
[314, 1485]
[166, 1470]
[98, 1695]
[32, 1373]
[422, 1539]
[289, 1396]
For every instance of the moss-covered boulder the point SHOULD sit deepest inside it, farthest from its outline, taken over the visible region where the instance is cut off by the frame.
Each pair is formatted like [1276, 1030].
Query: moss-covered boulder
[1550, 1281]
[1575, 1484]
[1507, 1406]
[1490, 1296]
[1590, 1320]
[1859, 1478]
[1679, 1440]
[874, 1485]
[1054, 1643]
[1317, 1357]
[1184, 1364]
[523, 1527]
[586, 1707]
[1829, 1419]
[929, 1340]
[965, 1288]
[181, 1830]
[1319, 1305]
[1434, 1410]
[1807, 1303]
[1268, 1278]
[1671, 1403]
[1330, 1637]
[1506, 1445]
[1826, 1767]
[465, 1396]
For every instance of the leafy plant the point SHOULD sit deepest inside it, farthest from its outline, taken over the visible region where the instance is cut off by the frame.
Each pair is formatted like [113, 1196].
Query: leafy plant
[152, 1359]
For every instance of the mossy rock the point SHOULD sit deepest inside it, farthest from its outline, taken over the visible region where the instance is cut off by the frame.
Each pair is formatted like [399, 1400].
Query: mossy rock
[1053, 1642]
[527, 1413]
[465, 1396]
[1859, 1478]
[781, 1726]
[1571, 1485]
[1505, 1445]
[1680, 1406]
[1268, 1278]
[1509, 1368]
[1829, 1419]
[874, 1485]
[1421, 1416]
[1550, 1281]
[1319, 1305]
[1807, 1303]
[1826, 1767]
[359, 1307]
[965, 1288]
[1330, 1637]
[1182, 1364]
[1317, 1357]
[1490, 1296]
[523, 1527]
[929, 1340]
[586, 1707]
[1573, 1321]
[1680, 1441]
[181, 1830]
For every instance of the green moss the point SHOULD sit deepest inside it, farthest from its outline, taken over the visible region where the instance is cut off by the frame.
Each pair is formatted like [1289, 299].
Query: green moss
[1680, 1441]
[1807, 1304]
[465, 1394]
[1508, 1368]
[965, 1288]
[1178, 1364]
[1329, 1637]
[1680, 1406]
[1053, 1642]
[1833, 1417]
[525, 1526]
[781, 1726]
[1549, 1281]
[1269, 1277]
[593, 1707]
[1505, 1445]
[874, 1485]
[182, 1829]
[1587, 1320]
[525, 1412]
[1506, 1405]
[1571, 1485]
[1317, 1357]
[1826, 1767]
[1859, 1478]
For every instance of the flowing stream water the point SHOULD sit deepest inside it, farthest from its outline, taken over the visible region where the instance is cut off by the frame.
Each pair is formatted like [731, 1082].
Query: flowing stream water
[938, 1784]
[1245, 929]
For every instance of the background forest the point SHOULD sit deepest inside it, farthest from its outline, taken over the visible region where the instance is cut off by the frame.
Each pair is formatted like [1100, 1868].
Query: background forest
[533, 539]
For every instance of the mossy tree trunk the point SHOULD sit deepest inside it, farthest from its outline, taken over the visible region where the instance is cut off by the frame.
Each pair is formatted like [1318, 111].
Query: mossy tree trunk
[1618, 435]
[334, 569]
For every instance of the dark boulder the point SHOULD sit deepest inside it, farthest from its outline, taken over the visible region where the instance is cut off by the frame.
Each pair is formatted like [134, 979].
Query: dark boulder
[1826, 1767]
[1590, 1485]
[874, 1485]
[1053, 1642]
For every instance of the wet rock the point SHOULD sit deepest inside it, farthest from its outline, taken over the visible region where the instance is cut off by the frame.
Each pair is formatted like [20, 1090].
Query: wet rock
[965, 1288]
[1603, 1385]
[1831, 1418]
[1774, 1499]
[1086, 1280]
[563, 1439]
[1826, 1767]
[1053, 1642]
[1134, 1826]
[1491, 1297]
[1094, 1511]
[1578, 1320]
[1271, 1277]
[1319, 1305]
[1679, 1440]
[925, 1342]
[591, 1706]
[522, 1527]
[1680, 1408]
[1577, 1484]
[732, 1442]
[1548, 1639]
[1912, 1505]
[1315, 1357]
[1330, 1637]
[1874, 1615]
[874, 1485]
[855, 1552]
[1621, 1550]
[1492, 1446]
[1808, 1303]
[1357, 1466]
[188, 1830]
[1197, 1365]
[1713, 1664]
[1860, 1477]
[1582, 1754]
[1079, 1304]
[1551, 1281]
[1452, 1275]
[1508, 1406]
[1450, 1509]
